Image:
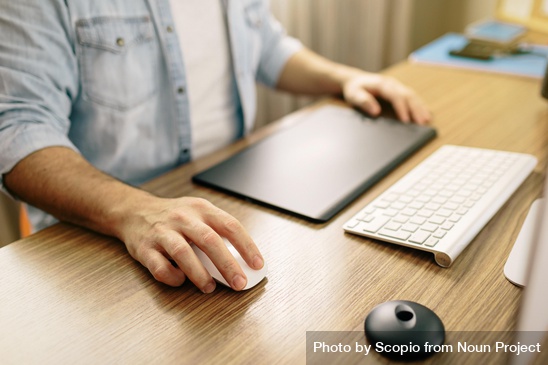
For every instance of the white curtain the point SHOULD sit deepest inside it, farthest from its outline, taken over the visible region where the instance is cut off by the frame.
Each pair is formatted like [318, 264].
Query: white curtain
[369, 34]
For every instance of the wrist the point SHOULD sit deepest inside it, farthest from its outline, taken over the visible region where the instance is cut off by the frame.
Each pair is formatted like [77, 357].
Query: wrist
[127, 212]
[342, 74]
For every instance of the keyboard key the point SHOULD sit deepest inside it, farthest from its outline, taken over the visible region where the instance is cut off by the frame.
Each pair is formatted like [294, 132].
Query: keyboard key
[381, 204]
[457, 200]
[431, 242]
[368, 218]
[419, 237]
[445, 194]
[462, 211]
[454, 218]
[360, 216]
[393, 226]
[409, 212]
[439, 200]
[444, 212]
[436, 220]
[413, 192]
[375, 225]
[406, 199]
[475, 197]
[469, 204]
[447, 226]
[397, 205]
[369, 210]
[450, 205]
[430, 227]
[431, 192]
[417, 220]
[400, 219]
[432, 206]
[439, 234]
[353, 223]
[390, 212]
[395, 234]
[390, 197]
[416, 205]
[410, 227]
[453, 187]
[426, 213]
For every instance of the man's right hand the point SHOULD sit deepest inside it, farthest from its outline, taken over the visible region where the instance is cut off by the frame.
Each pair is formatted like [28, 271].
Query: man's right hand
[159, 235]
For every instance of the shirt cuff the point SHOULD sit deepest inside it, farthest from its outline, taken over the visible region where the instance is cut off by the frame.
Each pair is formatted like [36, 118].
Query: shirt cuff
[276, 59]
[23, 139]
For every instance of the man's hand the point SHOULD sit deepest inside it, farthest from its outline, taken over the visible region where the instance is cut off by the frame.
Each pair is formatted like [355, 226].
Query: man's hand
[160, 233]
[308, 73]
[362, 89]
[157, 231]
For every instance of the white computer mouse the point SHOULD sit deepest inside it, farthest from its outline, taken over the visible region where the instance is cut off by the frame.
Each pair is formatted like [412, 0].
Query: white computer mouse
[254, 277]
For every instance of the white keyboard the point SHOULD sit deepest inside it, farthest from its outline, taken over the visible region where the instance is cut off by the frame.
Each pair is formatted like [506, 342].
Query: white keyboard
[443, 203]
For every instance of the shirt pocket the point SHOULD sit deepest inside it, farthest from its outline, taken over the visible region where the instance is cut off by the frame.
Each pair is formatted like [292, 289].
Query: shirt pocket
[118, 59]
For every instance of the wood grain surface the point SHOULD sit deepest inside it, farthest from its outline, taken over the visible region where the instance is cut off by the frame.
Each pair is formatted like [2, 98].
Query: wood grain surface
[68, 295]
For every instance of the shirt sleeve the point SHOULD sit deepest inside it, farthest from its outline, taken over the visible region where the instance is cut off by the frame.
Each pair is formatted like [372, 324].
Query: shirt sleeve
[38, 79]
[277, 48]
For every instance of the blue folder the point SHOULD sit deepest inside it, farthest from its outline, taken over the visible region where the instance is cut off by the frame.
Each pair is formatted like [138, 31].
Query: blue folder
[437, 52]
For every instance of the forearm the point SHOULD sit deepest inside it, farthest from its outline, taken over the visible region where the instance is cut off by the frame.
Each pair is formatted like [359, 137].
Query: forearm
[309, 73]
[61, 182]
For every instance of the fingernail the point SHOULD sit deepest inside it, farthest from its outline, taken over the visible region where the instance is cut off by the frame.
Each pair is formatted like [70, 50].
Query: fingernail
[258, 262]
[374, 111]
[209, 288]
[238, 282]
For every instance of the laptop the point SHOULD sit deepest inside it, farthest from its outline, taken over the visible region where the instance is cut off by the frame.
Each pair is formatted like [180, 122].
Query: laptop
[319, 165]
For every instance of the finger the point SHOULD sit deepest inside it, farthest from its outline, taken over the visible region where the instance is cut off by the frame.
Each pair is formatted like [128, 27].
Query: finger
[419, 117]
[401, 108]
[162, 269]
[211, 243]
[365, 101]
[180, 251]
[399, 96]
[230, 228]
[419, 113]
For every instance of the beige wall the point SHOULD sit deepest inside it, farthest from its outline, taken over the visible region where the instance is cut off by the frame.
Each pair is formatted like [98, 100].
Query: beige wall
[476, 10]
[432, 18]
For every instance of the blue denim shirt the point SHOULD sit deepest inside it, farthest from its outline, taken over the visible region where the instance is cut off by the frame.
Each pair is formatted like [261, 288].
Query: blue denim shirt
[107, 79]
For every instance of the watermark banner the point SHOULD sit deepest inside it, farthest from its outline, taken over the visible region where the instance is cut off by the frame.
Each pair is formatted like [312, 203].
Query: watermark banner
[459, 347]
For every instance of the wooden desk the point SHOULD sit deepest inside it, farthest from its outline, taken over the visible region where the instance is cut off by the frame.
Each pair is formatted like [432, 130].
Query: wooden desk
[68, 295]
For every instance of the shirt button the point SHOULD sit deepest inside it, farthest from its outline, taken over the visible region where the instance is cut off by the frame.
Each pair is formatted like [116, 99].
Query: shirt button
[181, 90]
[169, 29]
[120, 42]
[185, 151]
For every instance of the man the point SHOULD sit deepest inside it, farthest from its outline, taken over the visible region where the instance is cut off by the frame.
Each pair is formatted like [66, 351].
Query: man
[98, 96]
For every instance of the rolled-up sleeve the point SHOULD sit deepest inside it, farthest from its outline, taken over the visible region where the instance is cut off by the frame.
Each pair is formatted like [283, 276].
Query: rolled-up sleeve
[38, 79]
[277, 48]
